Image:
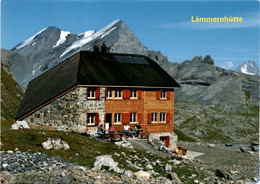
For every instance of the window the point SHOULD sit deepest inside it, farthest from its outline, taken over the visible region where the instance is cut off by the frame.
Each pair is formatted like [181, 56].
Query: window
[133, 93]
[132, 117]
[154, 117]
[91, 92]
[162, 117]
[117, 118]
[118, 93]
[109, 93]
[91, 119]
[162, 94]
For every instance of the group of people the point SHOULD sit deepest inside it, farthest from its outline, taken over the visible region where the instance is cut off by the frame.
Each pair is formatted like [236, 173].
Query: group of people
[132, 131]
[128, 131]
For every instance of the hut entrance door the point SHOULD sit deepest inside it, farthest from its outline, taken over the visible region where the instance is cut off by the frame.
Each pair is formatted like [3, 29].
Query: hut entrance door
[109, 119]
[165, 140]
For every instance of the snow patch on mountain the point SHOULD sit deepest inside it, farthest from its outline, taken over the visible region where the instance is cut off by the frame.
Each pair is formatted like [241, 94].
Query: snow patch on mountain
[87, 33]
[244, 70]
[88, 37]
[63, 35]
[107, 33]
[250, 68]
[29, 40]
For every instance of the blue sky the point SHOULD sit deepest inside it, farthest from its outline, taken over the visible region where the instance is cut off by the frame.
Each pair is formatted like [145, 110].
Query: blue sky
[159, 25]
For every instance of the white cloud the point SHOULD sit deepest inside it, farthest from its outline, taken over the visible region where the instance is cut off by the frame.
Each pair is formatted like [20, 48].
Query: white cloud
[227, 65]
[250, 20]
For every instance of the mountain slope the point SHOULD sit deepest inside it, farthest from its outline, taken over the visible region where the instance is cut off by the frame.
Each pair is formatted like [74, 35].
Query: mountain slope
[250, 67]
[20, 65]
[11, 94]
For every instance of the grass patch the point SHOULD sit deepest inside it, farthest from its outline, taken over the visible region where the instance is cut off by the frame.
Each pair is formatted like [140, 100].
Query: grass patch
[183, 137]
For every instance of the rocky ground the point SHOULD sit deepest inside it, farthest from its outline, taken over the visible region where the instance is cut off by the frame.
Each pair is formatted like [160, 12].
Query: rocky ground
[227, 162]
[218, 164]
[20, 167]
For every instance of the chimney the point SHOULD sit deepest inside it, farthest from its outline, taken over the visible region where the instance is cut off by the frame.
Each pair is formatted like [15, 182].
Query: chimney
[104, 48]
[96, 47]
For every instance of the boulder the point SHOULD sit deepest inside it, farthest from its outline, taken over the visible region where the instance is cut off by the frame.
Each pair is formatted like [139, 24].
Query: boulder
[251, 152]
[149, 166]
[242, 148]
[220, 173]
[55, 144]
[228, 144]
[173, 176]
[212, 145]
[20, 125]
[255, 146]
[142, 175]
[124, 144]
[168, 168]
[106, 160]
[128, 173]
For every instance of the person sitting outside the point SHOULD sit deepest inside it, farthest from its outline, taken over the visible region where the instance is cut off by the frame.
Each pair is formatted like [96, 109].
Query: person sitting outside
[112, 128]
[126, 129]
[138, 127]
[87, 132]
[100, 131]
[133, 131]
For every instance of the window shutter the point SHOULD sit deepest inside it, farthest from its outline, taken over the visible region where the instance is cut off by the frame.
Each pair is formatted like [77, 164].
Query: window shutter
[168, 117]
[158, 94]
[105, 119]
[87, 119]
[139, 116]
[149, 118]
[97, 119]
[139, 94]
[125, 118]
[124, 93]
[168, 95]
[128, 94]
[98, 93]
[106, 92]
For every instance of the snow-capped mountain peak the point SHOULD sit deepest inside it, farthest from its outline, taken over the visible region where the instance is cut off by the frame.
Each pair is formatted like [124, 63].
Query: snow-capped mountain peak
[250, 67]
[29, 40]
[91, 36]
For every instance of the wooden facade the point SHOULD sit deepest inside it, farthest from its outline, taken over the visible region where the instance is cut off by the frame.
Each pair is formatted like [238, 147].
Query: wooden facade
[146, 102]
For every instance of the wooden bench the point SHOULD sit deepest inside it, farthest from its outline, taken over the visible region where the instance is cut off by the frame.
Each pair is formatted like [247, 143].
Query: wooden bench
[113, 136]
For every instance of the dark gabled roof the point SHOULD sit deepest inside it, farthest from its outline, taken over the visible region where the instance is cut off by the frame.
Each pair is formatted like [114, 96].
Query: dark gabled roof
[94, 68]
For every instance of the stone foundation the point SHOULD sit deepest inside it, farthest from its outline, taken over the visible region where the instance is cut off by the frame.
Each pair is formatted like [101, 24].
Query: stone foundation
[68, 113]
[173, 138]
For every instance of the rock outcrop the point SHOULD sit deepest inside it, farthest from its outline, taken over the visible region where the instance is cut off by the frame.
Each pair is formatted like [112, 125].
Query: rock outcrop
[55, 144]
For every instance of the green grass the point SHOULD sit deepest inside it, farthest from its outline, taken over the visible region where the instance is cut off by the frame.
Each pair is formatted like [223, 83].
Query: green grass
[248, 94]
[183, 137]
[84, 150]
